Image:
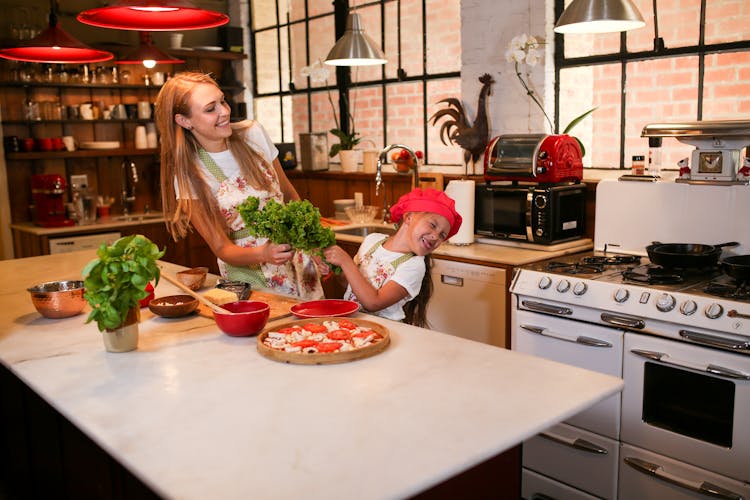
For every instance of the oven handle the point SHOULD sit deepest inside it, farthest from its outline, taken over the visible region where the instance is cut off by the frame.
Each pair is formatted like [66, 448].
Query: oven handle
[546, 308]
[717, 370]
[588, 341]
[577, 443]
[703, 487]
[624, 321]
[710, 340]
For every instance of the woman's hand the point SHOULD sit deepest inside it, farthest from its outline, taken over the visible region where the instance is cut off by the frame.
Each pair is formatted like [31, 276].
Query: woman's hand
[336, 255]
[276, 254]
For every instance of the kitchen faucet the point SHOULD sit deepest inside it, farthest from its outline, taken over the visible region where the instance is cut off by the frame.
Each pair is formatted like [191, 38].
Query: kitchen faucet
[129, 180]
[383, 156]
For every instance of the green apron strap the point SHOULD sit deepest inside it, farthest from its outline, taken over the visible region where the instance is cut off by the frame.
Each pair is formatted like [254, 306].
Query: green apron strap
[395, 263]
[211, 165]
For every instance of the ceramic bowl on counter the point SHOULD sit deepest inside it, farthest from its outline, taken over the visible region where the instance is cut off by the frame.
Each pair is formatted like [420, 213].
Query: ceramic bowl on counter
[246, 317]
[58, 299]
[193, 278]
[173, 306]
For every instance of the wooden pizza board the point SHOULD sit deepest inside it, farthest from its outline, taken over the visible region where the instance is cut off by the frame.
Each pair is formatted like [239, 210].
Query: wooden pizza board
[328, 357]
[280, 305]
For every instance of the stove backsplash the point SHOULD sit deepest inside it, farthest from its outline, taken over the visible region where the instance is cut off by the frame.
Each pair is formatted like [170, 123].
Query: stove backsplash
[632, 215]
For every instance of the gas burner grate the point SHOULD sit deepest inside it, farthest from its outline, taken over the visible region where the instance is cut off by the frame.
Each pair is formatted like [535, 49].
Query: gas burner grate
[653, 275]
[612, 260]
[574, 268]
[729, 290]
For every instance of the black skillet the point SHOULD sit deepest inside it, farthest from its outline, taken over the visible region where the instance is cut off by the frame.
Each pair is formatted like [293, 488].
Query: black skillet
[737, 266]
[686, 255]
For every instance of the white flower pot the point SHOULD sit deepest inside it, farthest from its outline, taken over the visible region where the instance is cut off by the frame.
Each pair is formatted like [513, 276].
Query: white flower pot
[348, 159]
[124, 338]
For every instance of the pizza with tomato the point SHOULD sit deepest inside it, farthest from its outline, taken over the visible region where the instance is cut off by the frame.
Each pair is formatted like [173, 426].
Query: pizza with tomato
[323, 340]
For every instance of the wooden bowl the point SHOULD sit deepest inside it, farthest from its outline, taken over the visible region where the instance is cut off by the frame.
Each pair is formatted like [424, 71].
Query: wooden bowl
[193, 278]
[173, 306]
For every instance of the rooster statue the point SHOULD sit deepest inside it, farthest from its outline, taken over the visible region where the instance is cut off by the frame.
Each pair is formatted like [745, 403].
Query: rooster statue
[472, 138]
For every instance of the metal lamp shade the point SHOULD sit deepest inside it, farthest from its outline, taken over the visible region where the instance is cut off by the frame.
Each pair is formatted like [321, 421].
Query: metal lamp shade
[355, 48]
[148, 54]
[599, 16]
[153, 15]
[55, 45]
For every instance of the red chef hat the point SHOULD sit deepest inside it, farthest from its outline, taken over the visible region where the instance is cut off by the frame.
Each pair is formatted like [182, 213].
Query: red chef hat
[428, 200]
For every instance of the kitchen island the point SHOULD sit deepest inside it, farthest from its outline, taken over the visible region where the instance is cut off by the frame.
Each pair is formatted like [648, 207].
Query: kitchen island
[194, 413]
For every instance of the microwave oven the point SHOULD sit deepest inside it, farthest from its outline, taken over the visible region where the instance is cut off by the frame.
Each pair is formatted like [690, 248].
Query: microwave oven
[543, 214]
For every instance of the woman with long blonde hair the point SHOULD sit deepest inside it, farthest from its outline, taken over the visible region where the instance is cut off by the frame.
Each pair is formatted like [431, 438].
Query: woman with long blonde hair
[208, 167]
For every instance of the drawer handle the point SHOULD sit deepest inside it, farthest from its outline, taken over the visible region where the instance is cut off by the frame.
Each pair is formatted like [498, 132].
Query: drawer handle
[581, 339]
[577, 443]
[451, 280]
[624, 321]
[710, 340]
[546, 308]
[717, 370]
[658, 471]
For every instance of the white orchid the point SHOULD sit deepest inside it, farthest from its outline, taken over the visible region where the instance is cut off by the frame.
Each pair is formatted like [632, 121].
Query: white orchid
[317, 71]
[525, 49]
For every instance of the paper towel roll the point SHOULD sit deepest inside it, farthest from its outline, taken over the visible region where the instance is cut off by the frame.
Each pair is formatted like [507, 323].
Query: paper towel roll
[462, 193]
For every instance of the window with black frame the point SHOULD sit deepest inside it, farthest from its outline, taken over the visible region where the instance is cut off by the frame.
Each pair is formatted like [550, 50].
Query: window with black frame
[690, 62]
[295, 92]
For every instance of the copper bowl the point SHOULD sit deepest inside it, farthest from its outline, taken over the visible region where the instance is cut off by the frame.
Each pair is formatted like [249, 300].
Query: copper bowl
[58, 299]
[173, 306]
[193, 278]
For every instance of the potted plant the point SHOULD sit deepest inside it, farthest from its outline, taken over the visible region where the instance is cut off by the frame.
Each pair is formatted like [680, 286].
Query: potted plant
[115, 282]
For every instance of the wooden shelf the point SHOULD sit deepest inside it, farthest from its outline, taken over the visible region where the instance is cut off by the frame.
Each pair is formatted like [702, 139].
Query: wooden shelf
[74, 122]
[81, 153]
[70, 85]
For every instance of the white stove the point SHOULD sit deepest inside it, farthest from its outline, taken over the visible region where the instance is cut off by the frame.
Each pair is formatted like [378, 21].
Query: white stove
[679, 338]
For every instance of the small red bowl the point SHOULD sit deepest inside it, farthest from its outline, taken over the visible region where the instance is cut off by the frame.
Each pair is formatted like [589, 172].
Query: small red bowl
[249, 318]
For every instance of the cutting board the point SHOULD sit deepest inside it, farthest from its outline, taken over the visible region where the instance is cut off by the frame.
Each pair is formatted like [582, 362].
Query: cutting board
[280, 304]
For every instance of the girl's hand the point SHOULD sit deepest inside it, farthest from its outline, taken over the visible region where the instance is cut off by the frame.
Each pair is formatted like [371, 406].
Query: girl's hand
[276, 254]
[323, 268]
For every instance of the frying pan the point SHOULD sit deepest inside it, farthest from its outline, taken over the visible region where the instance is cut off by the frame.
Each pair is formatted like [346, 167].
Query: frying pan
[686, 255]
[737, 266]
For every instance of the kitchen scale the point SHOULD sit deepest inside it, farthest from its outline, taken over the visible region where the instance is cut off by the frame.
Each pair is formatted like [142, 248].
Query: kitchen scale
[719, 144]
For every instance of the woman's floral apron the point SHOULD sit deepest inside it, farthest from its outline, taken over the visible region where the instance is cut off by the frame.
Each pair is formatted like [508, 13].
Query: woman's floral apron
[285, 278]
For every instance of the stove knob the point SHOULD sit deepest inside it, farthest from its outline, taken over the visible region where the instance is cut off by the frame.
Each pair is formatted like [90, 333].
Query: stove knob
[580, 288]
[563, 286]
[714, 311]
[545, 282]
[688, 307]
[621, 295]
[665, 302]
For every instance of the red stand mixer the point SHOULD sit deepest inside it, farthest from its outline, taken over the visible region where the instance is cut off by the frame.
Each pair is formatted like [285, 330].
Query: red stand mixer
[48, 191]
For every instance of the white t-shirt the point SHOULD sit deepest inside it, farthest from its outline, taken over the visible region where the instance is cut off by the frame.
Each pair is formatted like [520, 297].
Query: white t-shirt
[378, 269]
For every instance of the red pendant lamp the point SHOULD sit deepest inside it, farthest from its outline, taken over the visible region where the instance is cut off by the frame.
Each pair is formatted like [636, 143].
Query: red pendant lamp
[153, 15]
[55, 45]
[148, 54]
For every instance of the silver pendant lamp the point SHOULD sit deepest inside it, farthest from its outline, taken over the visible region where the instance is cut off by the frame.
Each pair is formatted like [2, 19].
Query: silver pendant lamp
[599, 16]
[355, 48]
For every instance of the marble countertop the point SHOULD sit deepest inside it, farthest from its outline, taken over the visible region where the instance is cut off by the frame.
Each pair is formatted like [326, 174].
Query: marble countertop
[195, 413]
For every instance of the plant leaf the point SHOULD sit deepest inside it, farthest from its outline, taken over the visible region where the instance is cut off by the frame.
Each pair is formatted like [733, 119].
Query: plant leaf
[575, 121]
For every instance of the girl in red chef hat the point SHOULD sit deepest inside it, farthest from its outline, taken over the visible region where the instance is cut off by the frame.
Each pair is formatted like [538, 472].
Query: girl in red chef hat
[389, 276]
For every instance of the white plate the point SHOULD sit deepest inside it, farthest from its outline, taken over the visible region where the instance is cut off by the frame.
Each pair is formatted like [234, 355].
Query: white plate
[210, 48]
[100, 145]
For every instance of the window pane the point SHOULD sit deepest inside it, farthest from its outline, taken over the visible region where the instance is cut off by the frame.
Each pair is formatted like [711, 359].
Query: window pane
[266, 53]
[367, 108]
[411, 38]
[267, 112]
[584, 88]
[299, 51]
[264, 13]
[679, 24]
[727, 21]
[284, 32]
[299, 115]
[405, 114]
[658, 91]
[437, 152]
[443, 36]
[726, 91]
[286, 108]
[321, 39]
[318, 7]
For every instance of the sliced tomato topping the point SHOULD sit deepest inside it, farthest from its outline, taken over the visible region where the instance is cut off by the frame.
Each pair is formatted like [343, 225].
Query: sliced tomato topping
[345, 323]
[315, 328]
[367, 333]
[339, 335]
[305, 343]
[288, 330]
[329, 346]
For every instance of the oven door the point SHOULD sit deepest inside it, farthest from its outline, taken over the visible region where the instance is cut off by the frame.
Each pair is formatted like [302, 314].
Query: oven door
[688, 402]
[594, 347]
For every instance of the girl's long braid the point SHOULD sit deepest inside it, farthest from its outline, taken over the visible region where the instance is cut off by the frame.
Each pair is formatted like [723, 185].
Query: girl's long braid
[416, 309]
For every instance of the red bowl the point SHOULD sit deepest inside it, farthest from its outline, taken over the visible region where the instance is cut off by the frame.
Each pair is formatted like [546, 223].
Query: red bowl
[249, 318]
